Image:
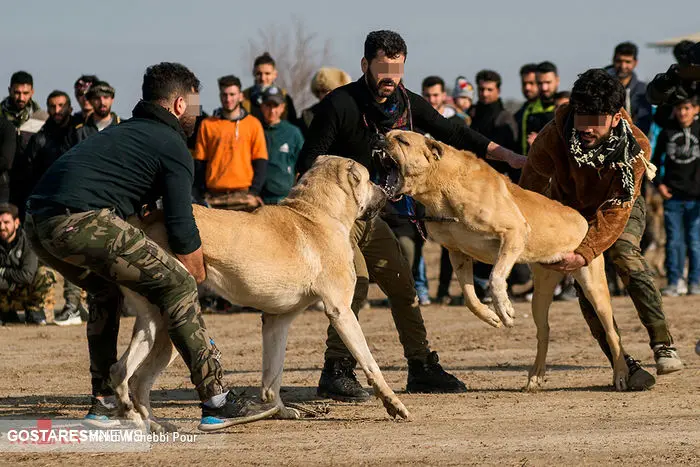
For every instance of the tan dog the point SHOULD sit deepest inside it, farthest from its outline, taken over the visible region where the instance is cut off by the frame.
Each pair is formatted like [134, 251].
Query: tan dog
[499, 223]
[279, 259]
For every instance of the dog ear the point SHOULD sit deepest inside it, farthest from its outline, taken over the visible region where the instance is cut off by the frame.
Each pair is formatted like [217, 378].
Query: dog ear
[354, 174]
[434, 147]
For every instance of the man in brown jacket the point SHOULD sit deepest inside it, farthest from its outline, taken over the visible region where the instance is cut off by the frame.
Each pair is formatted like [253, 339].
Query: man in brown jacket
[592, 158]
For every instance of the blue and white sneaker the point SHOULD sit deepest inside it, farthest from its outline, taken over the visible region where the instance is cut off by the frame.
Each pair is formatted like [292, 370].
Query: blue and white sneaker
[102, 414]
[235, 411]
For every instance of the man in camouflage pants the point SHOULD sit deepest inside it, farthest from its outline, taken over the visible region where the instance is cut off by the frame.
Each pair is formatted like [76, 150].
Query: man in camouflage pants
[76, 223]
[23, 284]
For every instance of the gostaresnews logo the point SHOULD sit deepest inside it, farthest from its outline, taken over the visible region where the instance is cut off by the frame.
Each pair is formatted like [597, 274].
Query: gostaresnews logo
[46, 435]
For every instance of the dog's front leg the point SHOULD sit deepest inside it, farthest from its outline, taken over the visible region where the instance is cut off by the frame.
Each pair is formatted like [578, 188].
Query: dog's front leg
[595, 287]
[349, 330]
[275, 329]
[464, 270]
[512, 245]
[546, 282]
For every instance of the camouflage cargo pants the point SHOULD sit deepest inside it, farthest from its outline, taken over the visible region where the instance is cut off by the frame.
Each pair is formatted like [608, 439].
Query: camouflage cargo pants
[33, 298]
[378, 256]
[627, 260]
[98, 251]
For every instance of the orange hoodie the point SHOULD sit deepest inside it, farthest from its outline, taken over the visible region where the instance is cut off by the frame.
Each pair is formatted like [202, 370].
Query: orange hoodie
[586, 189]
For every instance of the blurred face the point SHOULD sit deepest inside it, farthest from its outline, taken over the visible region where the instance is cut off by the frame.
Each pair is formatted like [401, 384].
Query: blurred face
[21, 94]
[265, 75]
[547, 83]
[488, 92]
[435, 95]
[101, 105]
[624, 65]
[528, 86]
[272, 112]
[8, 227]
[383, 73]
[463, 103]
[59, 110]
[685, 113]
[188, 109]
[593, 130]
[230, 98]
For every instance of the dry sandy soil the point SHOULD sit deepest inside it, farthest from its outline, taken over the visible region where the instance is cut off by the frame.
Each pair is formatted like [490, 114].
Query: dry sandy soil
[577, 419]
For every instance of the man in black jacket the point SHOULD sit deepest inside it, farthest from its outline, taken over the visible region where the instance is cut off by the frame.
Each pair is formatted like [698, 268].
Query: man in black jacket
[347, 121]
[76, 224]
[24, 285]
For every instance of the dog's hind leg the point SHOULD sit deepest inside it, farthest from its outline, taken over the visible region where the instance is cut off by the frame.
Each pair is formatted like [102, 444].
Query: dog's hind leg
[512, 245]
[350, 332]
[595, 287]
[546, 281]
[142, 340]
[463, 266]
[162, 354]
[275, 329]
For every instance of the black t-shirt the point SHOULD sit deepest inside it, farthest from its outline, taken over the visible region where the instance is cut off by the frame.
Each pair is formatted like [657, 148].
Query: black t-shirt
[124, 167]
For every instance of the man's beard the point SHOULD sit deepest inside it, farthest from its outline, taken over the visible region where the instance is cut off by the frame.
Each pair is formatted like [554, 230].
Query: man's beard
[62, 117]
[187, 122]
[102, 113]
[6, 235]
[19, 105]
[374, 85]
[596, 142]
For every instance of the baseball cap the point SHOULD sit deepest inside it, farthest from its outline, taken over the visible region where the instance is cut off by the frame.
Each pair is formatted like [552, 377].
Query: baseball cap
[463, 88]
[273, 94]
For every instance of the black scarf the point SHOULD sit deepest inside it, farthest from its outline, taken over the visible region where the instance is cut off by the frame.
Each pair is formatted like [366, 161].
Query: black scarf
[393, 113]
[618, 152]
[156, 112]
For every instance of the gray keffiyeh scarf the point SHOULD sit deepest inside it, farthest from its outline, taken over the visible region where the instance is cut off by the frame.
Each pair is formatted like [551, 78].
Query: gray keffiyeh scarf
[619, 152]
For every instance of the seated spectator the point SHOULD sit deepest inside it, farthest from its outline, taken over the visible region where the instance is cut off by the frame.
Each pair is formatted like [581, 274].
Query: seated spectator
[23, 284]
[284, 142]
[677, 156]
[230, 153]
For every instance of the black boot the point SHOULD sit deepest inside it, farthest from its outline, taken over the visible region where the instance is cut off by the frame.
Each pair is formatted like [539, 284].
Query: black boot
[429, 377]
[338, 381]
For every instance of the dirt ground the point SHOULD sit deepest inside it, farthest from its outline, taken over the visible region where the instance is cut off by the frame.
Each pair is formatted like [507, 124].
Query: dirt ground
[577, 419]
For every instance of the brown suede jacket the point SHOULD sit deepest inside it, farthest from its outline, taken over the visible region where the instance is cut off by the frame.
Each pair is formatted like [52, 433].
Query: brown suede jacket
[585, 189]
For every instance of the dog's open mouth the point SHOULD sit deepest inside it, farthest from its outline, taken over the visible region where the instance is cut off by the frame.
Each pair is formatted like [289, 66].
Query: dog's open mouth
[389, 175]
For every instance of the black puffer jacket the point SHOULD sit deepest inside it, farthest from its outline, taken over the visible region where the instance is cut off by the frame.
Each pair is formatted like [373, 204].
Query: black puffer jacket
[18, 262]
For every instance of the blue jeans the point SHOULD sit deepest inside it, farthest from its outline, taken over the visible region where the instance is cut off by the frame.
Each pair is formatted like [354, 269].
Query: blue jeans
[682, 222]
[421, 279]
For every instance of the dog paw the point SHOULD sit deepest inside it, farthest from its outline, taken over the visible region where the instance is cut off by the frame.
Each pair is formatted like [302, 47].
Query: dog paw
[287, 413]
[394, 407]
[534, 384]
[488, 316]
[505, 312]
[160, 426]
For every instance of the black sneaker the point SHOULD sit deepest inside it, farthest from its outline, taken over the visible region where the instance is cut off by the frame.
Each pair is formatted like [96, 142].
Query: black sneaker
[10, 317]
[639, 378]
[101, 414]
[429, 377]
[338, 382]
[235, 411]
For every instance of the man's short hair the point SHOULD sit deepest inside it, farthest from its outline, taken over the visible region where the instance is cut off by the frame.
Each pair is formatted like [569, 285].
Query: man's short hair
[21, 77]
[229, 80]
[528, 68]
[682, 52]
[390, 42]
[168, 80]
[85, 79]
[562, 95]
[596, 92]
[626, 49]
[547, 67]
[100, 88]
[692, 100]
[489, 75]
[431, 81]
[57, 93]
[264, 59]
[11, 209]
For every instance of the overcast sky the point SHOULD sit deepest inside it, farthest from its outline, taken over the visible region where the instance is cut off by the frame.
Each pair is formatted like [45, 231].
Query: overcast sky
[57, 41]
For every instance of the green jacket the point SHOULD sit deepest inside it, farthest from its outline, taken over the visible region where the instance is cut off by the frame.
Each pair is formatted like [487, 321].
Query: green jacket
[284, 142]
[535, 117]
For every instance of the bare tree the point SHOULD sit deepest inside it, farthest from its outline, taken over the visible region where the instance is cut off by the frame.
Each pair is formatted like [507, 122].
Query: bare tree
[295, 53]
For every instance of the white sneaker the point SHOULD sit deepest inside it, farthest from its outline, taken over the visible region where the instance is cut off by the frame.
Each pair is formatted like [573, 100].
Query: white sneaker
[667, 359]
